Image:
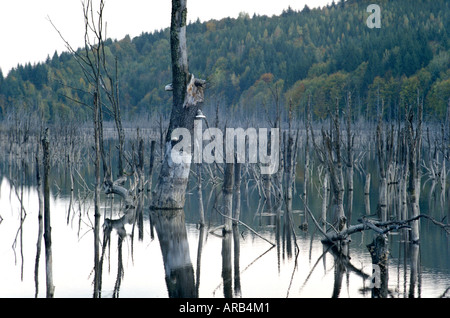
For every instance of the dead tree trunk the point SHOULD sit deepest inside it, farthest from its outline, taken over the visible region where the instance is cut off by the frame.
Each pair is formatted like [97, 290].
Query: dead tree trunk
[321, 156]
[237, 192]
[47, 225]
[350, 158]
[402, 158]
[92, 61]
[97, 189]
[40, 219]
[113, 96]
[324, 200]
[290, 160]
[414, 138]
[367, 194]
[200, 195]
[307, 157]
[188, 95]
[382, 199]
[152, 165]
[332, 144]
[228, 196]
[140, 189]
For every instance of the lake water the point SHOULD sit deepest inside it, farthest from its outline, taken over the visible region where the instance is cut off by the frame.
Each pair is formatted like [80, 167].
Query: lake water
[191, 258]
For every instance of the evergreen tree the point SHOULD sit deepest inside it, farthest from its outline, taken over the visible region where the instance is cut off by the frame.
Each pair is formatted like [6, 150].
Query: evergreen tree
[311, 47]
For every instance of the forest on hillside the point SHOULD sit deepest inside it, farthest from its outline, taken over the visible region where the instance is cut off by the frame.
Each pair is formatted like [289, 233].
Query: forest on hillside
[321, 53]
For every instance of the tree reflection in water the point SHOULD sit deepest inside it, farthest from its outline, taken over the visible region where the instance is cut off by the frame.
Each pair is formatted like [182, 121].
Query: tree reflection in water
[239, 257]
[171, 230]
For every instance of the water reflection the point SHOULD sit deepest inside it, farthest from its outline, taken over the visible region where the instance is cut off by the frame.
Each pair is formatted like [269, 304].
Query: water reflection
[171, 230]
[226, 266]
[183, 260]
[231, 272]
[118, 225]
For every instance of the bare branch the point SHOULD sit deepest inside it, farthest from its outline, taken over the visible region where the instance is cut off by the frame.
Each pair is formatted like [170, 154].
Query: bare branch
[245, 225]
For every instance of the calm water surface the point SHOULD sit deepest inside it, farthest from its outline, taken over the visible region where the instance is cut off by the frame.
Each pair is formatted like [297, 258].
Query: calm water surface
[240, 265]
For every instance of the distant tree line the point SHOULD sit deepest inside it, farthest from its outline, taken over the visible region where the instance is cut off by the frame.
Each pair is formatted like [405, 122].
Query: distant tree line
[320, 53]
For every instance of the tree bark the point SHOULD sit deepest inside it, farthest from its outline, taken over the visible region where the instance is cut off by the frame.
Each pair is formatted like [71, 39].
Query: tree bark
[40, 220]
[237, 192]
[350, 159]
[324, 200]
[228, 196]
[187, 99]
[414, 138]
[47, 225]
[382, 199]
[307, 156]
[97, 214]
[200, 195]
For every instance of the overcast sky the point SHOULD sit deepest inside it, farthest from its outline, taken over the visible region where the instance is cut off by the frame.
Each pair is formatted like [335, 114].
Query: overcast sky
[26, 35]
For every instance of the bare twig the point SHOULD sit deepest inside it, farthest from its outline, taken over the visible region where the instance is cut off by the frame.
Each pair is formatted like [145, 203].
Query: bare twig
[377, 226]
[245, 225]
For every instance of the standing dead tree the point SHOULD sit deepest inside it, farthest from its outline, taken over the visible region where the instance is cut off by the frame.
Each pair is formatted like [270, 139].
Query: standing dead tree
[382, 199]
[188, 96]
[40, 218]
[290, 160]
[228, 183]
[96, 66]
[321, 155]
[112, 93]
[414, 140]
[237, 191]
[93, 62]
[47, 225]
[333, 159]
[330, 156]
[289, 167]
[350, 157]
[308, 119]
